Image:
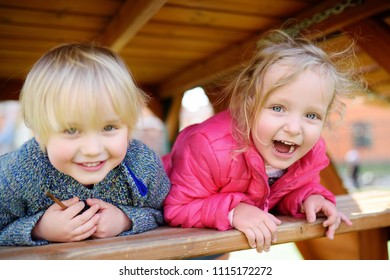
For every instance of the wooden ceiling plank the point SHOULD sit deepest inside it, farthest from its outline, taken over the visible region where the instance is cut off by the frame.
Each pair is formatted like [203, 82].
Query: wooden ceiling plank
[162, 53]
[374, 37]
[213, 19]
[174, 31]
[54, 20]
[219, 64]
[45, 33]
[351, 16]
[129, 20]
[21, 43]
[86, 7]
[376, 76]
[156, 42]
[208, 70]
[277, 8]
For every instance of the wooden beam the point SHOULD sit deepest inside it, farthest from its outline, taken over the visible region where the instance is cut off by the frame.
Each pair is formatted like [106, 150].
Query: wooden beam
[172, 121]
[129, 20]
[226, 61]
[373, 37]
[10, 89]
[367, 210]
[351, 16]
[207, 70]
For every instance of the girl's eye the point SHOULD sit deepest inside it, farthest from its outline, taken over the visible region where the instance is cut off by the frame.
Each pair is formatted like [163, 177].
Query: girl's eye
[109, 128]
[312, 116]
[70, 131]
[277, 108]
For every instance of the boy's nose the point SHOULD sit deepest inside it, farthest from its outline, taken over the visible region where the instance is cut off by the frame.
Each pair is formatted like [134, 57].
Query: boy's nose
[92, 145]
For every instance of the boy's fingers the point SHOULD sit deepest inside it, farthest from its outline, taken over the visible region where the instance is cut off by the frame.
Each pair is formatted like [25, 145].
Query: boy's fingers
[71, 201]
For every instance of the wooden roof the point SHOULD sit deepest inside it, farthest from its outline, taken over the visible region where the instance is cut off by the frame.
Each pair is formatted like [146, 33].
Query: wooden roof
[173, 45]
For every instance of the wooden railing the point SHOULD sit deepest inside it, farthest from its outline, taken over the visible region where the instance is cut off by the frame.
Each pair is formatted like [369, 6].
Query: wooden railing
[369, 211]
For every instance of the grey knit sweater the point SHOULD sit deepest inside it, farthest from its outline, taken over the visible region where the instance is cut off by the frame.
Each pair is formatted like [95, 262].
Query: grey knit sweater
[138, 186]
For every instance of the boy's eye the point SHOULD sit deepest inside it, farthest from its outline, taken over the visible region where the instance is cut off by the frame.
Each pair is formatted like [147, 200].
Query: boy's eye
[70, 131]
[109, 128]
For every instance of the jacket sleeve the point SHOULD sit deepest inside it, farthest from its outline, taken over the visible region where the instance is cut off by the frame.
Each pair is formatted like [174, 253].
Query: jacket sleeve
[307, 183]
[291, 203]
[147, 211]
[197, 198]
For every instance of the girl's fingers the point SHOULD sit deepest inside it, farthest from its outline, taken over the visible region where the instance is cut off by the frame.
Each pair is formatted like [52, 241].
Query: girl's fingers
[250, 236]
[345, 219]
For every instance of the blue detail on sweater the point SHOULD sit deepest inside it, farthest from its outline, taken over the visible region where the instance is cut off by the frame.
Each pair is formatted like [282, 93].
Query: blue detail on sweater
[143, 190]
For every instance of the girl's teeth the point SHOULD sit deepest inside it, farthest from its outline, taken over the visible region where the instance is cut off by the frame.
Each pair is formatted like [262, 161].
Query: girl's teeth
[287, 143]
[292, 148]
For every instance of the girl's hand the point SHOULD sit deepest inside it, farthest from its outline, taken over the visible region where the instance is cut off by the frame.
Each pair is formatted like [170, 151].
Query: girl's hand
[113, 220]
[59, 225]
[317, 203]
[258, 226]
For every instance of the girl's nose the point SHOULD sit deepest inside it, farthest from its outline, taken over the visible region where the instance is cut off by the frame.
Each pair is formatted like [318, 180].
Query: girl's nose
[293, 126]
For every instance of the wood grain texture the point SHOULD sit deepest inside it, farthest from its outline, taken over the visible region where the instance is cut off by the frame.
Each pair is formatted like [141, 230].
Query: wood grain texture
[368, 211]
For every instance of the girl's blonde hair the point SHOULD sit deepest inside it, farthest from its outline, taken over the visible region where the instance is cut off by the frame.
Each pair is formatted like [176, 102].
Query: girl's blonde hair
[245, 91]
[74, 74]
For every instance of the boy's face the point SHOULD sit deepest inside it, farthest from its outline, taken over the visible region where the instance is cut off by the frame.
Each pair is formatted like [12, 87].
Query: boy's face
[291, 121]
[88, 152]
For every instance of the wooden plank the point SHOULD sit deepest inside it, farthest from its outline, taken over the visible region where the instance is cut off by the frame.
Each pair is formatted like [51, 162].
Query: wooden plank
[54, 20]
[170, 30]
[129, 20]
[223, 62]
[45, 33]
[186, 44]
[161, 53]
[176, 243]
[86, 7]
[370, 249]
[278, 8]
[20, 44]
[213, 18]
[351, 15]
[374, 38]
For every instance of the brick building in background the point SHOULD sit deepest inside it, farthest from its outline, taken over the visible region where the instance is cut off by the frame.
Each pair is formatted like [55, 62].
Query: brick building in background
[364, 127]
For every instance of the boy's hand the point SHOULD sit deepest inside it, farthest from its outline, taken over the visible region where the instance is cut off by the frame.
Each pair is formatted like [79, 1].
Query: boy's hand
[258, 226]
[113, 220]
[317, 203]
[59, 225]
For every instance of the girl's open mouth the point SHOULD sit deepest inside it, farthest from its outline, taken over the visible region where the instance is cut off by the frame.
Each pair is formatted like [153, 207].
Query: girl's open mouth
[284, 147]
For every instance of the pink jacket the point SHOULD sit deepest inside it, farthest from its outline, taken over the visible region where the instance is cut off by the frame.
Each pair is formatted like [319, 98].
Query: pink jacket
[208, 179]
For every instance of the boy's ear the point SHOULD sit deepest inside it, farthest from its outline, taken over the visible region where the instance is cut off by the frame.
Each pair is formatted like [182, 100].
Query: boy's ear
[36, 136]
[41, 144]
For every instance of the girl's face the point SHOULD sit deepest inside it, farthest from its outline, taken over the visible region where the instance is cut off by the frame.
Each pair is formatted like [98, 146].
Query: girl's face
[88, 152]
[291, 121]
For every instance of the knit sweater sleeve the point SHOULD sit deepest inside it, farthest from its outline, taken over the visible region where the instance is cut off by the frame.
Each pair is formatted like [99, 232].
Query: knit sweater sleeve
[146, 211]
[18, 232]
[16, 223]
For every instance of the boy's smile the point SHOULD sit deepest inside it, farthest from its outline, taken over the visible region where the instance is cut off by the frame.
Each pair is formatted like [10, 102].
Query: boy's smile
[88, 152]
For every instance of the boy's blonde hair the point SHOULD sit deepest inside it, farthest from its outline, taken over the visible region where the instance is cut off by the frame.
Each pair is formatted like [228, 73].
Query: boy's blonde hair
[298, 53]
[74, 74]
